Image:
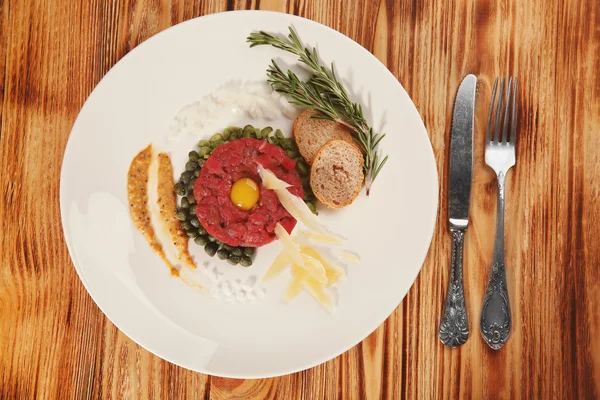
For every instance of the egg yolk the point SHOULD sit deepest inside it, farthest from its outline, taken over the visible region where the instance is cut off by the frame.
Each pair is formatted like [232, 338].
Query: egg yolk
[244, 193]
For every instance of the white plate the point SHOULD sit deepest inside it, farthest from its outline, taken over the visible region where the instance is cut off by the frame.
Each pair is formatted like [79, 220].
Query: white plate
[134, 104]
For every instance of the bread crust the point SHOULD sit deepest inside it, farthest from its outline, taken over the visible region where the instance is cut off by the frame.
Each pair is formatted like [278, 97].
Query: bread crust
[322, 197]
[307, 151]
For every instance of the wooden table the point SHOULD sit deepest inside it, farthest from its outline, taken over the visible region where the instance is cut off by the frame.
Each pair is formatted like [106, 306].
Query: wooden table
[55, 342]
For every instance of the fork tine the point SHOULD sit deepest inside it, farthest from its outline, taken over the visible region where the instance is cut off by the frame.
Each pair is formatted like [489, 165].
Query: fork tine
[513, 125]
[496, 136]
[488, 131]
[504, 138]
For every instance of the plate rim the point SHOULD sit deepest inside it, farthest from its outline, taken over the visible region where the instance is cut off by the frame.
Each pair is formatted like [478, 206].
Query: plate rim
[320, 360]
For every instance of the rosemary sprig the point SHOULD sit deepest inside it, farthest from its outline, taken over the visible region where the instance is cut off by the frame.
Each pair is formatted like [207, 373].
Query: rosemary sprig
[322, 92]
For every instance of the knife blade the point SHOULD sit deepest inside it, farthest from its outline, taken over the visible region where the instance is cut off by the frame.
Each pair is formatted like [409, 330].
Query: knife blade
[454, 326]
[461, 153]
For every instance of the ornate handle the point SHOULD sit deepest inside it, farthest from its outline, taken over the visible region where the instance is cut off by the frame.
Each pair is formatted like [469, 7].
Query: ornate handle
[495, 321]
[495, 313]
[454, 328]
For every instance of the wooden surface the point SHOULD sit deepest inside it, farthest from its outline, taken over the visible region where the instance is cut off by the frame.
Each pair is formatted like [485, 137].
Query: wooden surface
[55, 342]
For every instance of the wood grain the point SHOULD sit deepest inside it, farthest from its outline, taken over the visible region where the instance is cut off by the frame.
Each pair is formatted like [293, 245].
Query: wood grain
[55, 342]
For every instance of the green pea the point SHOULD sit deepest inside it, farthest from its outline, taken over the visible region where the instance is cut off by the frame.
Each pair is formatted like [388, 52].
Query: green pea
[264, 132]
[216, 144]
[191, 166]
[192, 234]
[180, 215]
[193, 155]
[223, 254]
[233, 260]
[190, 187]
[302, 168]
[203, 143]
[236, 251]
[255, 133]
[248, 251]
[279, 142]
[312, 207]
[207, 155]
[186, 226]
[291, 153]
[246, 262]
[204, 150]
[226, 134]
[271, 139]
[289, 144]
[191, 199]
[185, 202]
[201, 162]
[248, 131]
[236, 133]
[211, 248]
[197, 172]
[195, 223]
[227, 247]
[217, 137]
[185, 178]
[309, 196]
[211, 238]
[179, 189]
[279, 134]
[201, 240]
[202, 231]
[192, 210]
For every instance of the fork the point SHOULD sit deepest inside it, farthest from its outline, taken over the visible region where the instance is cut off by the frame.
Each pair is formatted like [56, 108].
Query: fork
[500, 143]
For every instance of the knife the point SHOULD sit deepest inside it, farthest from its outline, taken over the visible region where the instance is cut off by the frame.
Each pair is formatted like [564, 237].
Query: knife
[454, 326]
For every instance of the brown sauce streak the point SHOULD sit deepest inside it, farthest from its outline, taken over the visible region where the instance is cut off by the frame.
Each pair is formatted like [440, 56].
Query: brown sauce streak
[167, 203]
[137, 191]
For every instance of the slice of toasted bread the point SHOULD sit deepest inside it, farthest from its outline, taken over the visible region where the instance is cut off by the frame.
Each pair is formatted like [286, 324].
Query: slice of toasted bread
[311, 134]
[336, 175]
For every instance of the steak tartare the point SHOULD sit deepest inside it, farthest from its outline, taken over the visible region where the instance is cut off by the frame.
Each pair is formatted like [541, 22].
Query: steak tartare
[233, 161]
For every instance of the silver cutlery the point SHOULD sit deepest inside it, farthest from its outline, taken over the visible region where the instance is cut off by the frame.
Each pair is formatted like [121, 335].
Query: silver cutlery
[500, 142]
[454, 326]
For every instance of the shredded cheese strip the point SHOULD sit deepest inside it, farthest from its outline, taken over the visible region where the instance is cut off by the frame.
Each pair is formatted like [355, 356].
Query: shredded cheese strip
[333, 272]
[293, 204]
[297, 284]
[282, 261]
[320, 294]
[310, 270]
[317, 237]
[349, 256]
[288, 243]
[315, 268]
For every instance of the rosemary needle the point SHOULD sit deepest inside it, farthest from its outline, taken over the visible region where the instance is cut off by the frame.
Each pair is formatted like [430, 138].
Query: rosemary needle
[322, 92]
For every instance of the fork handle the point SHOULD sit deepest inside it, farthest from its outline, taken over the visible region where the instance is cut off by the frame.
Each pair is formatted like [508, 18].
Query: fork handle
[454, 327]
[495, 321]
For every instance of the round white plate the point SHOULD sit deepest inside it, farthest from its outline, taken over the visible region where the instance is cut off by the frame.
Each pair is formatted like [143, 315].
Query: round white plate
[134, 105]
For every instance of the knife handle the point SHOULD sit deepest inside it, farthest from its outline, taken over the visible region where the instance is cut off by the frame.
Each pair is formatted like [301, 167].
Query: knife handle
[454, 327]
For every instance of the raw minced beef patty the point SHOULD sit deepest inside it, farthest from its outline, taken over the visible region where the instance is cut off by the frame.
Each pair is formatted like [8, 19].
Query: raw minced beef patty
[233, 161]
